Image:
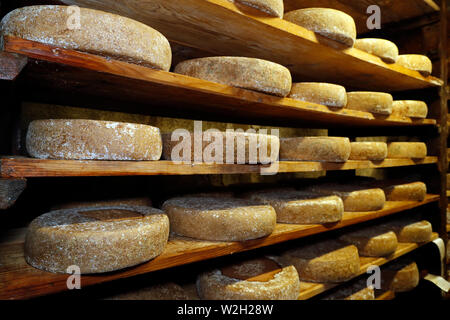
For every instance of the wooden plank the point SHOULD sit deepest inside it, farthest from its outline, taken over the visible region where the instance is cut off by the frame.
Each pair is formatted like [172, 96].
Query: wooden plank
[75, 74]
[18, 280]
[312, 289]
[11, 65]
[225, 28]
[10, 190]
[19, 167]
[388, 295]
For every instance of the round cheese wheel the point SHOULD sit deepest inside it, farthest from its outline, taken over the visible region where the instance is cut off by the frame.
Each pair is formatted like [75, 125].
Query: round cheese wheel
[330, 23]
[142, 202]
[231, 146]
[401, 276]
[96, 239]
[416, 62]
[299, 207]
[92, 140]
[372, 242]
[327, 94]
[374, 102]
[375, 151]
[356, 198]
[409, 230]
[384, 49]
[98, 33]
[247, 73]
[256, 279]
[399, 150]
[414, 191]
[164, 291]
[220, 219]
[325, 261]
[357, 290]
[272, 7]
[410, 108]
[334, 149]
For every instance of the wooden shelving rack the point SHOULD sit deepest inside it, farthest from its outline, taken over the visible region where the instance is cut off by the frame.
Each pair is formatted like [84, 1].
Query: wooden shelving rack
[235, 31]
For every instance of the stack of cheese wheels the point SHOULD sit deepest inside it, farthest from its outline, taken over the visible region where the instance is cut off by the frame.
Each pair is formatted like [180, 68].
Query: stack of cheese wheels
[403, 191]
[272, 7]
[221, 219]
[98, 33]
[384, 49]
[410, 230]
[374, 151]
[356, 290]
[372, 241]
[373, 102]
[298, 207]
[410, 108]
[330, 23]
[356, 198]
[400, 276]
[96, 240]
[92, 140]
[221, 147]
[164, 291]
[255, 279]
[399, 150]
[327, 94]
[416, 62]
[335, 149]
[145, 202]
[324, 261]
[247, 73]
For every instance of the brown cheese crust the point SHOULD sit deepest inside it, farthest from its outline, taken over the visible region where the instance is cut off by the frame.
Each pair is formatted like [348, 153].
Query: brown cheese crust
[241, 72]
[372, 242]
[327, 94]
[92, 140]
[334, 149]
[382, 48]
[272, 7]
[100, 33]
[374, 102]
[220, 219]
[400, 276]
[375, 151]
[399, 150]
[410, 108]
[96, 239]
[416, 62]
[330, 23]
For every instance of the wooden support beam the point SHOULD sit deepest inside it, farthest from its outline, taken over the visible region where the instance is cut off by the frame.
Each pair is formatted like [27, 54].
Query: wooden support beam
[11, 64]
[10, 190]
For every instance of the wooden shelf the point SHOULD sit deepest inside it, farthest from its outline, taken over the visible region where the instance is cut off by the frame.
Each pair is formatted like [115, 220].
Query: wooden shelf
[312, 289]
[88, 80]
[28, 167]
[388, 295]
[19, 280]
[226, 28]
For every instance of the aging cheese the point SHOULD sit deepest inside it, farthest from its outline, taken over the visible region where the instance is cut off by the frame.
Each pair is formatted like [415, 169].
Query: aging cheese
[219, 219]
[92, 140]
[325, 261]
[357, 290]
[272, 7]
[247, 73]
[375, 151]
[372, 241]
[382, 48]
[400, 276]
[327, 94]
[96, 239]
[416, 62]
[374, 102]
[411, 230]
[222, 147]
[334, 149]
[330, 23]
[164, 291]
[410, 108]
[145, 202]
[98, 33]
[299, 207]
[399, 150]
[256, 279]
[356, 198]
[414, 191]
